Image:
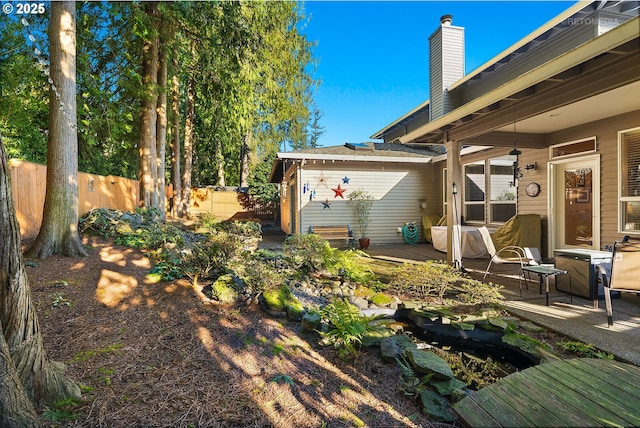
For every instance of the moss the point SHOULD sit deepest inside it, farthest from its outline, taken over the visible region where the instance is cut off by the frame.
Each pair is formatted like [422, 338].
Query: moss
[281, 299]
[381, 299]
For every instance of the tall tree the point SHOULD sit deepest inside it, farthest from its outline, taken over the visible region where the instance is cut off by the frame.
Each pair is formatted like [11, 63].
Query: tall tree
[189, 136]
[176, 176]
[148, 116]
[161, 125]
[39, 379]
[59, 229]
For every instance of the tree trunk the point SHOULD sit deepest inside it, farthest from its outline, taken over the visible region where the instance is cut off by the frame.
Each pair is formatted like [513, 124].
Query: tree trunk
[220, 162]
[15, 408]
[41, 379]
[148, 117]
[161, 130]
[177, 209]
[188, 145]
[59, 229]
[245, 160]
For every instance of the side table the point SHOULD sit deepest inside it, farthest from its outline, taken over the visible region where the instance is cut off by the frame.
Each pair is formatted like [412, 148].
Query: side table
[546, 271]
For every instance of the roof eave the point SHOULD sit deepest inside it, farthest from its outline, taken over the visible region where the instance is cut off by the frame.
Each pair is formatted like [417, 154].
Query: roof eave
[609, 40]
[380, 134]
[355, 157]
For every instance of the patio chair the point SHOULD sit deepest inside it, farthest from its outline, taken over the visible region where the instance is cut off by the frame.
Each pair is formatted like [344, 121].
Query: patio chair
[625, 267]
[510, 254]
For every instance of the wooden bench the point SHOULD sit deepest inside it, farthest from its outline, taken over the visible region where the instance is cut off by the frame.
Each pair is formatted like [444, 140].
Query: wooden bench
[333, 233]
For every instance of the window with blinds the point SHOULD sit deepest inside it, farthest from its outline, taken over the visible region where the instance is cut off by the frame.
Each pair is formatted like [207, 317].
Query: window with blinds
[474, 192]
[629, 179]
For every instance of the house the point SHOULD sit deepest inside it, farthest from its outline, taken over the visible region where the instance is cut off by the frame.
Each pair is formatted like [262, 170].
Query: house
[551, 126]
[316, 183]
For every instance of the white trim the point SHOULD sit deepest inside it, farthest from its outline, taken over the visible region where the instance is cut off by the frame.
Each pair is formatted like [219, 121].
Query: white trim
[595, 199]
[581, 140]
[359, 158]
[621, 198]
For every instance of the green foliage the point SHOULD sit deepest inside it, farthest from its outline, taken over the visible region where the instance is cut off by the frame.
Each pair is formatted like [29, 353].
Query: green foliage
[430, 279]
[283, 378]
[265, 193]
[62, 411]
[474, 292]
[362, 203]
[306, 252]
[584, 350]
[346, 327]
[348, 264]
[87, 355]
[59, 300]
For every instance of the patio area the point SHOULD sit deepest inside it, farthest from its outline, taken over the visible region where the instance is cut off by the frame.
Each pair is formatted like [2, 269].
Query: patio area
[577, 320]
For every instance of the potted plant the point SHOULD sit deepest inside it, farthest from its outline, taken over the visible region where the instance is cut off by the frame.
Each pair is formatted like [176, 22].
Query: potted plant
[362, 203]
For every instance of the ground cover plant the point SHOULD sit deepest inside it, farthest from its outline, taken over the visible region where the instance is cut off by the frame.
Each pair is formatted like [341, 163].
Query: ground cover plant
[153, 351]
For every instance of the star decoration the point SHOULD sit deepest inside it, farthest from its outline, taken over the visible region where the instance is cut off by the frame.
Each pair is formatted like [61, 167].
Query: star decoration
[339, 192]
[322, 180]
[326, 204]
[345, 180]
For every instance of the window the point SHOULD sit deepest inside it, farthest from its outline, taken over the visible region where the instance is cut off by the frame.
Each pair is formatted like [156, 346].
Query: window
[474, 192]
[502, 194]
[629, 180]
[587, 145]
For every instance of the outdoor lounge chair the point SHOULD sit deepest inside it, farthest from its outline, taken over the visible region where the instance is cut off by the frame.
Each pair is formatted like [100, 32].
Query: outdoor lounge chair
[510, 254]
[625, 267]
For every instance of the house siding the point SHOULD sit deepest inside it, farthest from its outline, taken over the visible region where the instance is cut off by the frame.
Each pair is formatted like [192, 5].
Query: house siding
[606, 133]
[397, 188]
[446, 66]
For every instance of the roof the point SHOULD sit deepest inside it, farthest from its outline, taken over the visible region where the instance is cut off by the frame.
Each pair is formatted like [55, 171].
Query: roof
[575, 14]
[359, 152]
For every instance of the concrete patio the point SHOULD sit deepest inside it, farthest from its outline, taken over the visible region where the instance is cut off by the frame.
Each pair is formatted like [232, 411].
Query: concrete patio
[577, 320]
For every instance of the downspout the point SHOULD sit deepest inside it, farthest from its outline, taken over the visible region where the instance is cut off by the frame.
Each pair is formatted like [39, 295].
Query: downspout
[298, 197]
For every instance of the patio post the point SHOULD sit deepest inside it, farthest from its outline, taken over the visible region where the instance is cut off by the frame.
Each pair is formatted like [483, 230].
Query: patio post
[454, 205]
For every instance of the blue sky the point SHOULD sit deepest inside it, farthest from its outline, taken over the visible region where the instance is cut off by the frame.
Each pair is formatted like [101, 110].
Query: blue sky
[372, 55]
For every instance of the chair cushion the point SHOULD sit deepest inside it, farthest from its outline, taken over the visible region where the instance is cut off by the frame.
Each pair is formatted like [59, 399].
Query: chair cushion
[522, 230]
[429, 220]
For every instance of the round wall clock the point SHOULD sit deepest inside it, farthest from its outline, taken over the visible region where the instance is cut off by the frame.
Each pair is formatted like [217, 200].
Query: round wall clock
[533, 189]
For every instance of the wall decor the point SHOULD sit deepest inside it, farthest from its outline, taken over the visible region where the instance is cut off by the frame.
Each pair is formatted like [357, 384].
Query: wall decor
[533, 189]
[326, 204]
[339, 191]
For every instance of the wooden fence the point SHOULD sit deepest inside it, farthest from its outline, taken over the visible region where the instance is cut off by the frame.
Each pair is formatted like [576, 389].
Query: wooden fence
[28, 182]
[227, 204]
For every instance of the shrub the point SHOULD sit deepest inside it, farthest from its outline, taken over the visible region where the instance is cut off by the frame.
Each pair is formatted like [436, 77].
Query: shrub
[347, 327]
[306, 252]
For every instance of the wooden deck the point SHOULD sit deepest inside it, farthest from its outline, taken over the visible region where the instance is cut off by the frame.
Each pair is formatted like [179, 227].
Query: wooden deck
[570, 393]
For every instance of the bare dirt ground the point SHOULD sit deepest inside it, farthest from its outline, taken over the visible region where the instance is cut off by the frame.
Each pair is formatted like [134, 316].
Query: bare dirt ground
[155, 355]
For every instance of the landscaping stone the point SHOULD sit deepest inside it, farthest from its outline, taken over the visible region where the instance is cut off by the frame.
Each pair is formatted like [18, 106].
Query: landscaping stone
[359, 302]
[395, 347]
[435, 405]
[311, 321]
[224, 289]
[429, 363]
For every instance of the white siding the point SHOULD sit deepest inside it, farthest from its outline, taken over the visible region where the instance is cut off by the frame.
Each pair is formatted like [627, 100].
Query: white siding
[398, 188]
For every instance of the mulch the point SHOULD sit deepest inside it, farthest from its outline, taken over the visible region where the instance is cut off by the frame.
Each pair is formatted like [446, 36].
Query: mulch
[156, 355]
